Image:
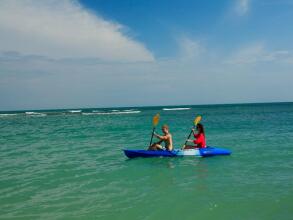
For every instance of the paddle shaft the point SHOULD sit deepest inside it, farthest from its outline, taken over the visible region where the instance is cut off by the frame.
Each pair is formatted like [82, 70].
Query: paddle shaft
[189, 136]
[152, 136]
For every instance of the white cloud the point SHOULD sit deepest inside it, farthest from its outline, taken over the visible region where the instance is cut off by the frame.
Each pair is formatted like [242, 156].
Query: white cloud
[189, 48]
[250, 54]
[257, 53]
[64, 29]
[242, 7]
[26, 80]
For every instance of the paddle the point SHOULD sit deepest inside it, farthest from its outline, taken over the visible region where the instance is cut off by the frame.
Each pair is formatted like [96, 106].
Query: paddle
[195, 122]
[156, 119]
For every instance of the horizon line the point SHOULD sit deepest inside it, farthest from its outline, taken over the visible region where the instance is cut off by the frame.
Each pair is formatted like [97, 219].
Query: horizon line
[147, 106]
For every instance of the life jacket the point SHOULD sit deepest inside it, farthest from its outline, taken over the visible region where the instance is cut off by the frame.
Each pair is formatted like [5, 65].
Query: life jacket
[200, 140]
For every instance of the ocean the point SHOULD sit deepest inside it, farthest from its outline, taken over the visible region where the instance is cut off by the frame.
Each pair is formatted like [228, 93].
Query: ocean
[69, 164]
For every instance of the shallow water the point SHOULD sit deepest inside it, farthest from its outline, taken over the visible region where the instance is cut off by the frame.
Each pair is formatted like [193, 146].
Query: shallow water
[70, 165]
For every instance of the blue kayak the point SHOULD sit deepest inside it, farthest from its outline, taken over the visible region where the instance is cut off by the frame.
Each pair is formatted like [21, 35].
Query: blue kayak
[203, 152]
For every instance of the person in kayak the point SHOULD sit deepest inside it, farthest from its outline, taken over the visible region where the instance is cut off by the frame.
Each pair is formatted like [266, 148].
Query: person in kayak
[166, 138]
[200, 140]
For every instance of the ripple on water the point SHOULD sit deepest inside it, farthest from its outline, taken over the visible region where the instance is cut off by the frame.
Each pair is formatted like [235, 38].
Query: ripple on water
[64, 167]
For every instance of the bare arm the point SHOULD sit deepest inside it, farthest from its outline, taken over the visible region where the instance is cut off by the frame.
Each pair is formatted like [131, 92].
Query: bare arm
[162, 138]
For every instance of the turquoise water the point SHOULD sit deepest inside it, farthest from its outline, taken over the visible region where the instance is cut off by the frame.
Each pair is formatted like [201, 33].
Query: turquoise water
[70, 165]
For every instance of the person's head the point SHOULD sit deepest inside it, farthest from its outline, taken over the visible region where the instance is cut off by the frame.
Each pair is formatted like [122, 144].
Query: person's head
[200, 128]
[165, 129]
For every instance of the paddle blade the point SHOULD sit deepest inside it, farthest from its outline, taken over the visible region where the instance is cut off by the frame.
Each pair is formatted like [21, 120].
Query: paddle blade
[197, 120]
[156, 119]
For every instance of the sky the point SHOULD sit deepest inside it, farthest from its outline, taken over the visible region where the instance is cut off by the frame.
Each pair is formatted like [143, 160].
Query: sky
[111, 53]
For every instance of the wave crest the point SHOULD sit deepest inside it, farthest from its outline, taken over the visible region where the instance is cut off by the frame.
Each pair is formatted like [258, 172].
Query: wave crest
[175, 109]
[36, 114]
[111, 113]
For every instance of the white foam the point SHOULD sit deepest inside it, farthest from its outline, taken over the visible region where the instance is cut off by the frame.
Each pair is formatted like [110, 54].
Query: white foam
[35, 114]
[30, 113]
[74, 111]
[124, 112]
[175, 109]
[7, 115]
[90, 113]
[110, 113]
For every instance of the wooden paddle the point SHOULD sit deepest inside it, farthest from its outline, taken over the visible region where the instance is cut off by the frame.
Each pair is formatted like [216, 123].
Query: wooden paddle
[156, 119]
[195, 122]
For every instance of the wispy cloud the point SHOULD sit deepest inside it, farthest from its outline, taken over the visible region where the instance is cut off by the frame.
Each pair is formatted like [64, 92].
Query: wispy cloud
[64, 29]
[190, 48]
[242, 7]
[257, 53]
[220, 76]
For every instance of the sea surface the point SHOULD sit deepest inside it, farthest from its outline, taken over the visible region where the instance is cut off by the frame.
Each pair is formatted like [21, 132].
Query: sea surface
[69, 164]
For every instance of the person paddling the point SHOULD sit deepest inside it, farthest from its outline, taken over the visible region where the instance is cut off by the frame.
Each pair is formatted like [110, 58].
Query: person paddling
[166, 138]
[200, 140]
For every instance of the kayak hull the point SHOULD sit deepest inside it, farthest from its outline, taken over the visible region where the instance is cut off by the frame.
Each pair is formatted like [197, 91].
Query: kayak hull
[203, 152]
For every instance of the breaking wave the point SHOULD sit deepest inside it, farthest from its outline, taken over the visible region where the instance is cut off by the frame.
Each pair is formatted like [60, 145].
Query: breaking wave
[111, 113]
[35, 114]
[175, 109]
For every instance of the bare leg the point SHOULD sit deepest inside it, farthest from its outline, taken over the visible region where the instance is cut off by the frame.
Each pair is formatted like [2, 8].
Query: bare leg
[152, 147]
[155, 146]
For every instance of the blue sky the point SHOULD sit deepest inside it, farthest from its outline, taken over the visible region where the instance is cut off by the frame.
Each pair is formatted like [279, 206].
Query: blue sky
[69, 54]
[159, 23]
